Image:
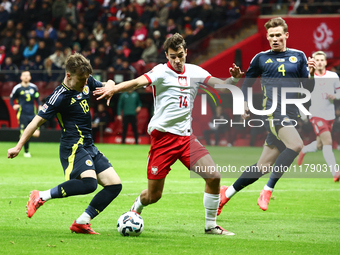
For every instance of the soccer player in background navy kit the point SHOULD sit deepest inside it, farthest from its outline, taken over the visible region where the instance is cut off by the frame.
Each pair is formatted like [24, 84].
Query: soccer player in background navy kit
[279, 67]
[84, 165]
[25, 93]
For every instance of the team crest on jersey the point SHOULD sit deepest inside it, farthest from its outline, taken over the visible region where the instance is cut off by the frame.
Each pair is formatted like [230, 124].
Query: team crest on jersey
[44, 107]
[80, 96]
[22, 92]
[293, 59]
[89, 162]
[280, 60]
[154, 170]
[86, 90]
[31, 91]
[182, 80]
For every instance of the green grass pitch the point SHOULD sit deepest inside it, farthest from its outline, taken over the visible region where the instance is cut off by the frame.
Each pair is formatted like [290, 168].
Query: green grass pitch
[303, 217]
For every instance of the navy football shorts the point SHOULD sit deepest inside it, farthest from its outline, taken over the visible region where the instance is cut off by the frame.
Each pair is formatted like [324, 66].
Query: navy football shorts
[78, 160]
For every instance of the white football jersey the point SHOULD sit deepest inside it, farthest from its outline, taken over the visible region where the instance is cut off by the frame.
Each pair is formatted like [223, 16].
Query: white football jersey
[321, 107]
[174, 95]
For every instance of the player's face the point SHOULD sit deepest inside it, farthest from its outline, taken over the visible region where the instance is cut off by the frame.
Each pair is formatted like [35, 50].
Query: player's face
[277, 38]
[177, 58]
[321, 62]
[25, 77]
[77, 82]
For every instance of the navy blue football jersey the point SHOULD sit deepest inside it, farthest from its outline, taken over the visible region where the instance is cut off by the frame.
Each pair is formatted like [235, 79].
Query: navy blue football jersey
[25, 97]
[73, 113]
[279, 70]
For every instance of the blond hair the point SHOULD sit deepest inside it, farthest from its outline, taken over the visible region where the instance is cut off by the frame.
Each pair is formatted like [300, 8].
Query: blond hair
[320, 52]
[276, 22]
[77, 63]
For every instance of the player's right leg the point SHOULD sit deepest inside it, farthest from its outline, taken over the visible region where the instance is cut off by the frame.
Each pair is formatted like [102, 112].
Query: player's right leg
[148, 196]
[327, 151]
[312, 147]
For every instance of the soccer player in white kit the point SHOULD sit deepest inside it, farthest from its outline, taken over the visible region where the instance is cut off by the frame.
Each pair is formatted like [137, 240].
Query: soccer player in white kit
[175, 86]
[326, 90]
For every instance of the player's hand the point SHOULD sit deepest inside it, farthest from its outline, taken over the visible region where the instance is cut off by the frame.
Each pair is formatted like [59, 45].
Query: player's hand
[246, 113]
[106, 92]
[16, 106]
[330, 96]
[13, 152]
[311, 66]
[235, 71]
[119, 117]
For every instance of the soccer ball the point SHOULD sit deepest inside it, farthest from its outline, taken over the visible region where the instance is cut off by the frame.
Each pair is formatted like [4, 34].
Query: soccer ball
[130, 224]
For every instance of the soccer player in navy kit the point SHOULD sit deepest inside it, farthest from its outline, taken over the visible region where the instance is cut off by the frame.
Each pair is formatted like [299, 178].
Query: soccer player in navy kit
[25, 93]
[279, 67]
[84, 165]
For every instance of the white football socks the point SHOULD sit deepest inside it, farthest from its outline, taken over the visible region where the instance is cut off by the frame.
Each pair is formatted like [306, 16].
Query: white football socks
[268, 188]
[210, 202]
[45, 195]
[230, 191]
[84, 219]
[329, 157]
[312, 147]
[138, 206]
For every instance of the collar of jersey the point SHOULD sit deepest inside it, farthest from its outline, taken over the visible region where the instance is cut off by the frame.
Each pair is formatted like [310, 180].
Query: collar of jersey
[321, 74]
[169, 65]
[280, 51]
[65, 86]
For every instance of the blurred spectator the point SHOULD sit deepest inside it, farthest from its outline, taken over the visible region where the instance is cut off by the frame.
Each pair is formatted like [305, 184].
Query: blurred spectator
[171, 27]
[136, 52]
[188, 34]
[26, 65]
[31, 49]
[206, 15]
[125, 39]
[130, 104]
[45, 12]
[131, 13]
[98, 32]
[64, 40]
[19, 29]
[7, 40]
[82, 40]
[128, 29]
[234, 12]
[52, 32]
[158, 39]
[191, 15]
[18, 43]
[16, 56]
[98, 64]
[163, 13]
[71, 14]
[2, 54]
[175, 13]
[91, 15]
[140, 33]
[12, 70]
[76, 47]
[51, 71]
[307, 7]
[148, 13]
[70, 33]
[42, 50]
[3, 17]
[220, 14]
[9, 27]
[155, 26]
[7, 5]
[127, 67]
[38, 69]
[58, 58]
[58, 11]
[30, 15]
[112, 33]
[200, 32]
[40, 30]
[100, 120]
[150, 52]
[17, 11]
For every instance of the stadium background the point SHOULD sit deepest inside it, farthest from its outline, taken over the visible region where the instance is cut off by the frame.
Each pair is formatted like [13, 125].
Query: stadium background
[113, 36]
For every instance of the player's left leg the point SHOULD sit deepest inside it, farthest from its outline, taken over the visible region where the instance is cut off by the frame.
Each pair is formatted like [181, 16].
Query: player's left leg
[211, 198]
[293, 142]
[327, 142]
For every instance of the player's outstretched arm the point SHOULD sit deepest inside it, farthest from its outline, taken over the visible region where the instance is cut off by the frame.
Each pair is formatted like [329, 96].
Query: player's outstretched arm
[28, 132]
[109, 90]
[235, 73]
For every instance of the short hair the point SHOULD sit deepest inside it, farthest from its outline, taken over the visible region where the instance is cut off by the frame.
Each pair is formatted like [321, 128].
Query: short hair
[174, 42]
[78, 64]
[276, 22]
[320, 52]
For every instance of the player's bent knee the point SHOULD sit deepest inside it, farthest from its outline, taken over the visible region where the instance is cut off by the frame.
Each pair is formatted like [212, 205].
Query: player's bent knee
[90, 184]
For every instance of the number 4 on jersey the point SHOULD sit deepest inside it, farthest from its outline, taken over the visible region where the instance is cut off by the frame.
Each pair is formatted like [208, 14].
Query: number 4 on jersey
[183, 102]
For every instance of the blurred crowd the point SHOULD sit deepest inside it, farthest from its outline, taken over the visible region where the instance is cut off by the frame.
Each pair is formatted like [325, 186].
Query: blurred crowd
[38, 35]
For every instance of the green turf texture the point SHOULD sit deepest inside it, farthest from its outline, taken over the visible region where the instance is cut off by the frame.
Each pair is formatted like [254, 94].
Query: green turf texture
[303, 217]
